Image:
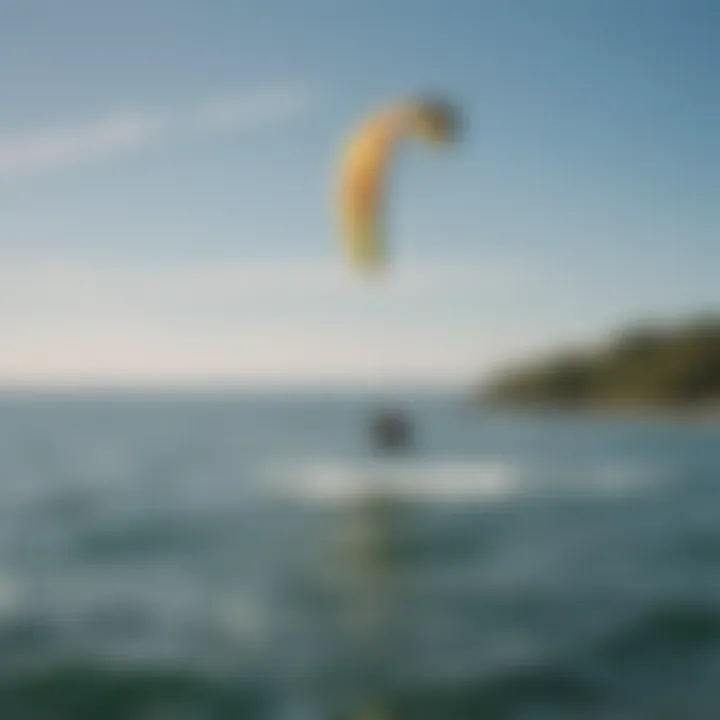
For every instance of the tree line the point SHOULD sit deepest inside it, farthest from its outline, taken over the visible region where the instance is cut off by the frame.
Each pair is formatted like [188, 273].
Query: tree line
[668, 366]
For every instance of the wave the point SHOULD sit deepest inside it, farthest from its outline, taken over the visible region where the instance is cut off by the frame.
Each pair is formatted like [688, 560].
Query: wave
[337, 480]
[605, 677]
[456, 480]
[669, 630]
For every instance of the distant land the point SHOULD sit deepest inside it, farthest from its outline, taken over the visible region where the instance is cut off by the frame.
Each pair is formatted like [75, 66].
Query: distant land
[673, 367]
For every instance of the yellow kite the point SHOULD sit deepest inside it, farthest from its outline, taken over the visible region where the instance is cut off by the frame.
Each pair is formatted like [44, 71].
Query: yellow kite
[364, 169]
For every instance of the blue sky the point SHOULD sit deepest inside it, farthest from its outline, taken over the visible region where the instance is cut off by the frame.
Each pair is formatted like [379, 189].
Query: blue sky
[165, 172]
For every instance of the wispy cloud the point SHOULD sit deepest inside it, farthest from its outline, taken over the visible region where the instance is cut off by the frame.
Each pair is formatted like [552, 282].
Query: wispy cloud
[234, 112]
[47, 149]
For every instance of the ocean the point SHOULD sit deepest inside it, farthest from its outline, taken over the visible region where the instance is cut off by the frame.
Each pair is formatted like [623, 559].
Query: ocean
[177, 556]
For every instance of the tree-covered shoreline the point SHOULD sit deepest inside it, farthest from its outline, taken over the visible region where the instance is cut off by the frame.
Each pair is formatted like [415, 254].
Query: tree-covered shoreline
[672, 367]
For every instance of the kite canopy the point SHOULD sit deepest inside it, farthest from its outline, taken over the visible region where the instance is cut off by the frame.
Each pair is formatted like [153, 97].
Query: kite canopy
[365, 165]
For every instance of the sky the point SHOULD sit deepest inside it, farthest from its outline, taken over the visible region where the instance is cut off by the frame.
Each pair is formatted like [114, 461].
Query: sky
[166, 174]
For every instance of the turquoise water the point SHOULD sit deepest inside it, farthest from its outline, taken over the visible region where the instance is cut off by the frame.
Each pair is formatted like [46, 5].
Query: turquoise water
[172, 557]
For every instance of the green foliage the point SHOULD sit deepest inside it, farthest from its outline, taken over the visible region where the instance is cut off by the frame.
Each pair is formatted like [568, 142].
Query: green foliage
[668, 367]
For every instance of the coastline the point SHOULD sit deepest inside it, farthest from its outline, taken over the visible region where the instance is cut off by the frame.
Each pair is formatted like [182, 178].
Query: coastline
[704, 415]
